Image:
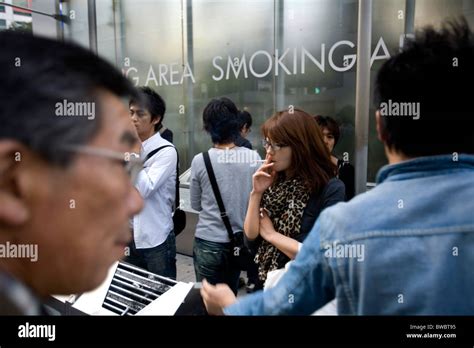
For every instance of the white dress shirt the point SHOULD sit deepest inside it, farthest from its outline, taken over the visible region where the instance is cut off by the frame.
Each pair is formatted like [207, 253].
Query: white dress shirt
[157, 186]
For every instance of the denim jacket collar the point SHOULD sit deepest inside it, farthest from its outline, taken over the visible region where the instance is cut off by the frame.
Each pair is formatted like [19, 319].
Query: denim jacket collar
[423, 166]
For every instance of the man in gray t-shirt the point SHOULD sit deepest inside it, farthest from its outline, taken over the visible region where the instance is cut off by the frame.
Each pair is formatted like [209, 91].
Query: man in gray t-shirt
[233, 167]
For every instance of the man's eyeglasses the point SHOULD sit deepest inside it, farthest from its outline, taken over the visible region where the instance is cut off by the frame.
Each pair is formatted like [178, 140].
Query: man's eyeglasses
[275, 147]
[132, 164]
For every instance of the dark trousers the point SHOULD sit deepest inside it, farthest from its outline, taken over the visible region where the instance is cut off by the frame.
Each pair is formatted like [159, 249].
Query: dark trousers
[212, 262]
[252, 275]
[160, 260]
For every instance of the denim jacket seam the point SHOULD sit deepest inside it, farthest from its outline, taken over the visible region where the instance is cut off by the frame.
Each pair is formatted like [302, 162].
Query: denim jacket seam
[390, 170]
[329, 225]
[404, 233]
[340, 270]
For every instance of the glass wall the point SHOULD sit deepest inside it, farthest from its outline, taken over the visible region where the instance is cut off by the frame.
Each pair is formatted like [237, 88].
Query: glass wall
[263, 54]
[78, 28]
[321, 38]
[393, 20]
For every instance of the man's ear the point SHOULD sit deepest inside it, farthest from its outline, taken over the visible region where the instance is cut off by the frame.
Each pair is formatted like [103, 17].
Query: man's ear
[380, 127]
[13, 210]
[157, 120]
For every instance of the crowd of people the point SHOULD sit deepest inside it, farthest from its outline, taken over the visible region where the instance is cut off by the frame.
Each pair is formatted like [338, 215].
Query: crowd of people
[404, 247]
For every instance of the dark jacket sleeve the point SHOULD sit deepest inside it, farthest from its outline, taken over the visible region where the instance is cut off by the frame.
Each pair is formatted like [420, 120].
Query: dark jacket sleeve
[333, 193]
[346, 174]
[167, 135]
[252, 245]
[241, 141]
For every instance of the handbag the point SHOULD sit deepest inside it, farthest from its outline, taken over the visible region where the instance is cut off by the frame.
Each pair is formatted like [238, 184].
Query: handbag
[179, 216]
[241, 256]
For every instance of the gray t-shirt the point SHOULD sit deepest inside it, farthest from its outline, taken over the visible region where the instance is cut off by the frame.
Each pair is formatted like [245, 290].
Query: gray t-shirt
[233, 169]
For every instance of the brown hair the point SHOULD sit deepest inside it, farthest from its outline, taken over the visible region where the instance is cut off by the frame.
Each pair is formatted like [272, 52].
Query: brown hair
[310, 159]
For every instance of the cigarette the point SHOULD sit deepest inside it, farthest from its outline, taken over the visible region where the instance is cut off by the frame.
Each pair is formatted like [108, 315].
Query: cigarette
[260, 161]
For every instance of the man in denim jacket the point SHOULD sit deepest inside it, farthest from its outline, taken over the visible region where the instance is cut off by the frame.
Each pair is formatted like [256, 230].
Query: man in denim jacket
[407, 246]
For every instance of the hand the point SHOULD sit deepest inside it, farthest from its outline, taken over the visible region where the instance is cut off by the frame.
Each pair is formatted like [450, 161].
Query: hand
[267, 231]
[137, 147]
[216, 297]
[263, 177]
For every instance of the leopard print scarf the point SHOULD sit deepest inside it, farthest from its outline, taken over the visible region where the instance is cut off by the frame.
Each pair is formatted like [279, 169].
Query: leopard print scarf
[286, 201]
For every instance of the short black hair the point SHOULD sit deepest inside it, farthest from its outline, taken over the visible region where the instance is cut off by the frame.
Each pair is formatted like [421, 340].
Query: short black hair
[331, 125]
[37, 73]
[151, 101]
[435, 69]
[221, 120]
[245, 119]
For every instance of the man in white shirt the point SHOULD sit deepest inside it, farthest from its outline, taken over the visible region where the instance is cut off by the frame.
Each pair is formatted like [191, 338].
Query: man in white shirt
[154, 244]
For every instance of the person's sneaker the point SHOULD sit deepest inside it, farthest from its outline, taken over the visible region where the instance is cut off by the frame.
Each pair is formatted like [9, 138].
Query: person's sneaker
[250, 287]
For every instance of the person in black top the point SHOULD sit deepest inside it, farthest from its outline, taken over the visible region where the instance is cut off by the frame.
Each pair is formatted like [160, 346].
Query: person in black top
[245, 124]
[152, 103]
[331, 134]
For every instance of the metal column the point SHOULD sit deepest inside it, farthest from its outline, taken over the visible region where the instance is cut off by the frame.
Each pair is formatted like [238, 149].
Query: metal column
[364, 36]
[410, 6]
[279, 102]
[189, 86]
[92, 21]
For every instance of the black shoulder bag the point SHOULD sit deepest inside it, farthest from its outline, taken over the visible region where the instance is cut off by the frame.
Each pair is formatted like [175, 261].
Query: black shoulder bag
[241, 256]
[179, 216]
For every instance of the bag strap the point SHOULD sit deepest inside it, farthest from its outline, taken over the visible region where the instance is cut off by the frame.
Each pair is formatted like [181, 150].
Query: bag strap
[217, 194]
[154, 152]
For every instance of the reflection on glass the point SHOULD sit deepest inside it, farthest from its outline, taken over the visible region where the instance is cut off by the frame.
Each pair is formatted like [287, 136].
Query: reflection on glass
[265, 55]
[233, 57]
[389, 21]
[322, 36]
[78, 28]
